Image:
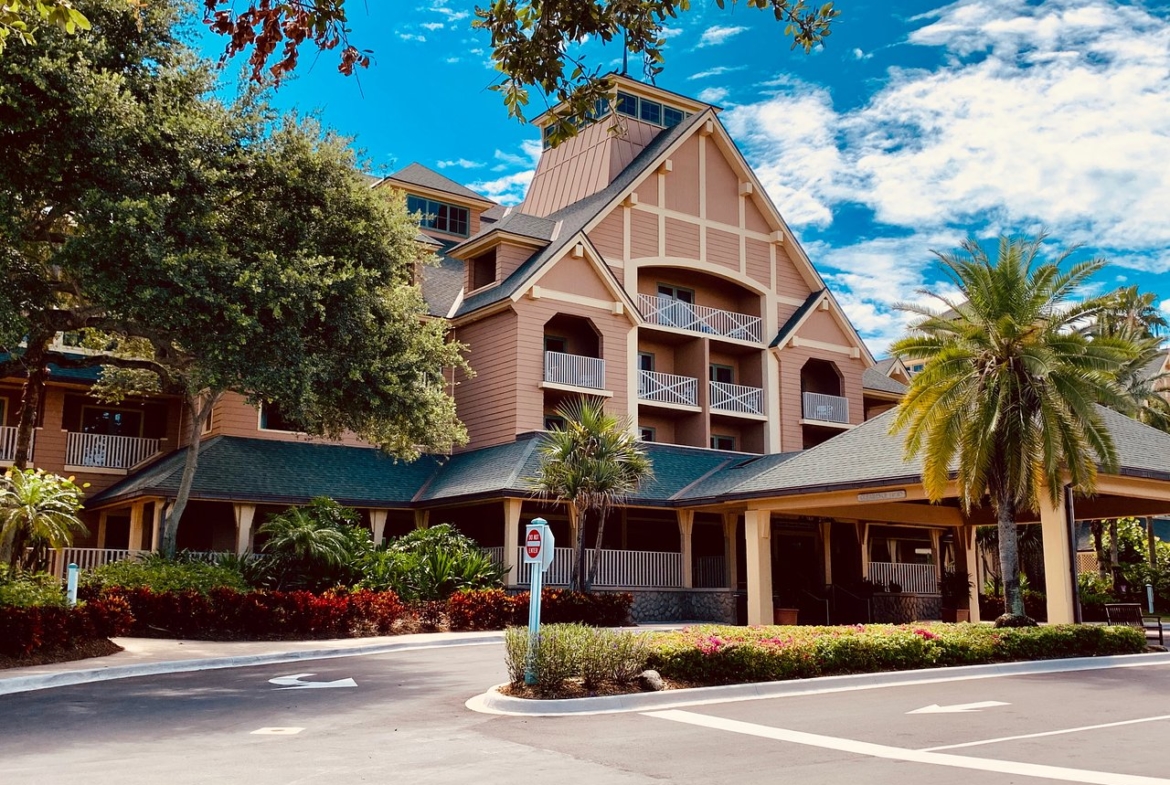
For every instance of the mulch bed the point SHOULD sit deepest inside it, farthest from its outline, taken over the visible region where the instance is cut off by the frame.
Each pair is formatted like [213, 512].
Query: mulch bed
[102, 648]
[573, 688]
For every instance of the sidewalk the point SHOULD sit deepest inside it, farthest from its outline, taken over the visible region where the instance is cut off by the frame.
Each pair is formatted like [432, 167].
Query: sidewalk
[151, 656]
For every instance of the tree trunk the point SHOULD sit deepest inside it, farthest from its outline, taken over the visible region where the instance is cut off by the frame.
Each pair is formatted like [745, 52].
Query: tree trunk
[1009, 557]
[1114, 562]
[596, 551]
[1152, 543]
[197, 415]
[579, 552]
[1098, 529]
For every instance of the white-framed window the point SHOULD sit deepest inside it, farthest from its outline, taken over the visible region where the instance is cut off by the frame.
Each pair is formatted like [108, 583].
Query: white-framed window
[554, 422]
[719, 442]
[271, 419]
[646, 434]
[440, 216]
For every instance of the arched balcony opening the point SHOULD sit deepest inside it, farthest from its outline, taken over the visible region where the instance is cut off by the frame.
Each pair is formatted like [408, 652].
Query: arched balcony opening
[822, 392]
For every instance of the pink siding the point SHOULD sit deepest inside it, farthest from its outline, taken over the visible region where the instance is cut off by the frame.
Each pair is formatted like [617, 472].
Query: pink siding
[759, 261]
[233, 416]
[487, 403]
[643, 234]
[682, 238]
[789, 281]
[607, 236]
[682, 183]
[722, 189]
[509, 257]
[754, 219]
[575, 276]
[723, 249]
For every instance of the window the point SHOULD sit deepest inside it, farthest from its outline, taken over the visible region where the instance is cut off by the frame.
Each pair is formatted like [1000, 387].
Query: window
[671, 117]
[440, 216]
[645, 361]
[646, 434]
[722, 442]
[676, 293]
[111, 422]
[553, 343]
[724, 374]
[554, 422]
[627, 104]
[650, 111]
[483, 270]
[271, 419]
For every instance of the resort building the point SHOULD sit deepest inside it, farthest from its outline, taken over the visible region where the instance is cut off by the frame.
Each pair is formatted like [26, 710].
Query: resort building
[647, 267]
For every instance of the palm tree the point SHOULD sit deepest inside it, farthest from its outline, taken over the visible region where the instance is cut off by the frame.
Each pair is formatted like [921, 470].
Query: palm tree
[1145, 383]
[591, 464]
[1006, 402]
[1130, 314]
[38, 511]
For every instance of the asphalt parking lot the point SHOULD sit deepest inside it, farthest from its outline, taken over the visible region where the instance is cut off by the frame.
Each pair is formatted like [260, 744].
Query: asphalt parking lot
[401, 717]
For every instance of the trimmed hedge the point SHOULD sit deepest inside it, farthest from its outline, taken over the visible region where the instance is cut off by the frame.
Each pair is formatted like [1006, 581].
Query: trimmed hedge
[25, 631]
[495, 609]
[227, 614]
[727, 655]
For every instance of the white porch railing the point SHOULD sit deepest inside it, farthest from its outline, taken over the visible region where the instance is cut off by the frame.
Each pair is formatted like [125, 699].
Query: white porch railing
[668, 312]
[913, 578]
[8, 443]
[108, 452]
[668, 388]
[575, 370]
[736, 398]
[710, 572]
[88, 558]
[629, 569]
[829, 408]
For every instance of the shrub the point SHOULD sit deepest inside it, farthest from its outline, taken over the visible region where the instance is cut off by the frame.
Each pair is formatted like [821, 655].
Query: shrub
[516, 653]
[25, 631]
[558, 655]
[493, 609]
[486, 609]
[314, 547]
[430, 564]
[162, 575]
[38, 512]
[25, 590]
[566, 651]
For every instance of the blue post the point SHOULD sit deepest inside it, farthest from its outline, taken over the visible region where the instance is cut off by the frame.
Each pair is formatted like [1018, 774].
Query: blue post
[536, 580]
[71, 585]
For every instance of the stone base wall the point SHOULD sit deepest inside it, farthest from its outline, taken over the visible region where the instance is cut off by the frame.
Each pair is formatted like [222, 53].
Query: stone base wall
[904, 608]
[667, 605]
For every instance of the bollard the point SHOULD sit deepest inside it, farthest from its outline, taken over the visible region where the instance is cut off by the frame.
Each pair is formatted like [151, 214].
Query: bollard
[71, 585]
[1150, 596]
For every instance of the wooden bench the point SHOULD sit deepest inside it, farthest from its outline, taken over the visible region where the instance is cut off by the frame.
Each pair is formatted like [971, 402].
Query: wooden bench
[1130, 614]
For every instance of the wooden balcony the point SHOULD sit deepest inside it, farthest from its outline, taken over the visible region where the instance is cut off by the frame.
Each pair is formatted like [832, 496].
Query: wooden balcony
[100, 451]
[573, 370]
[825, 408]
[736, 399]
[8, 444]
[668, 312]
[666, 388]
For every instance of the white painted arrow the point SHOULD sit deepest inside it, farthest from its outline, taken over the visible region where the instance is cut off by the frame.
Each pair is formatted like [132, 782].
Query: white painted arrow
[294, 683]
[958, 708]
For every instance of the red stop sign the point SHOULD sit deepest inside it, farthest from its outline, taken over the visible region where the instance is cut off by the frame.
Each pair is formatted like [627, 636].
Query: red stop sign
[533, 543]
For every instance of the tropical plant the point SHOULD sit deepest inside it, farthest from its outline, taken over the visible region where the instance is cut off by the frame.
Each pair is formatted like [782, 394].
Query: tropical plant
[38, 511]
[314, 547]
[590, 464]
[1006, 402]
[430, 564]
[1128, 313]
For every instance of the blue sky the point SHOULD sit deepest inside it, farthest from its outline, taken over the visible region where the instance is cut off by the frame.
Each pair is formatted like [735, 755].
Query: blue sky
[906, 132]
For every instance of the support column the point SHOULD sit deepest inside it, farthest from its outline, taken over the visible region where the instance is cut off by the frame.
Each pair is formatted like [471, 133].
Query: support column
[103, 518]
[863, 539]
[512, 509]
[730, 522]
[970, 545]
[160, 514]
[936, 552]
[827, 546]
[244, 515]
[686, 525]
[757, 529]
[137, 512]
[422, 519]
[378, 525]
[1057, 574]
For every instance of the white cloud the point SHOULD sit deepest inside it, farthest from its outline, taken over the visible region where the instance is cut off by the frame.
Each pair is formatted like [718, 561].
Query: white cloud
[422, 39]
[433, 25]
[718, 70]
[510, 188]
[461, 163]
[451, 60]
[713, 36]
[670, 32]
[860, 55]
[452, 16]
[712, 95]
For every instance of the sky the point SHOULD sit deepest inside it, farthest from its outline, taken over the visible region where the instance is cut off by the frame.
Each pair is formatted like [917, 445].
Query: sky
[914, 126]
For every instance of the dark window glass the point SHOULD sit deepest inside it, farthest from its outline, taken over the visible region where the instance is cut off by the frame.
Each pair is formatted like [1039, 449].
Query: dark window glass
[651, 111]
[458, 221]
[627, 104]
[723, 442]
[271, 419]
[439, 216]
[555, 344]
[646, 434]
[645, 361]
[554, 423]
[671, 117]
[111, 422]
[723, 373]
[483, 270]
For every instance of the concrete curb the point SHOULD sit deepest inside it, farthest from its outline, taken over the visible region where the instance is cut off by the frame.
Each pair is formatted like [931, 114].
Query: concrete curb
[46, 681]
[493, 702]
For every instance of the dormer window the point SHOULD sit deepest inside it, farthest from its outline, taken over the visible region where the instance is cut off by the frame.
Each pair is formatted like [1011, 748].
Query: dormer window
[440, 216]
[483, 270]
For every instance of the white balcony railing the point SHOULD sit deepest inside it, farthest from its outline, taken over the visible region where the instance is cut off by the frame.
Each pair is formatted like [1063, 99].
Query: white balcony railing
[827, 408]
[89, 558]
[668, 312]
[574, 370]
[632, 569]
[913, 578]
[736, 398]
[108, 452]
[668, 388]
[8, 444]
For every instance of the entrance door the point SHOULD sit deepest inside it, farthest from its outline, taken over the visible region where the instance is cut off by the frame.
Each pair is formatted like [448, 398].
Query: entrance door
[796, 568]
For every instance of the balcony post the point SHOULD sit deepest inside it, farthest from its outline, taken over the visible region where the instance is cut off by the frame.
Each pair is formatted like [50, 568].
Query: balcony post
[730, 522]
[686, 525]
[244, 515]
[101, 529]
[137, 512]
[378, 525]
[758, 533]
[512, 508]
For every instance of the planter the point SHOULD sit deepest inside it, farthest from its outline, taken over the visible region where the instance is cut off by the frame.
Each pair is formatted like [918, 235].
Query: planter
[785, 616]
[956, 614]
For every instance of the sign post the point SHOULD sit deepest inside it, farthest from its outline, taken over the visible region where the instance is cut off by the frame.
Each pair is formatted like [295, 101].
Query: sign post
[539, 546]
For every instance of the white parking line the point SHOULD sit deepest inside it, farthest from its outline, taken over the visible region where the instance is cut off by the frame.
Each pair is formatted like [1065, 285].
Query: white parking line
[898, 753]
[1046, 733]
